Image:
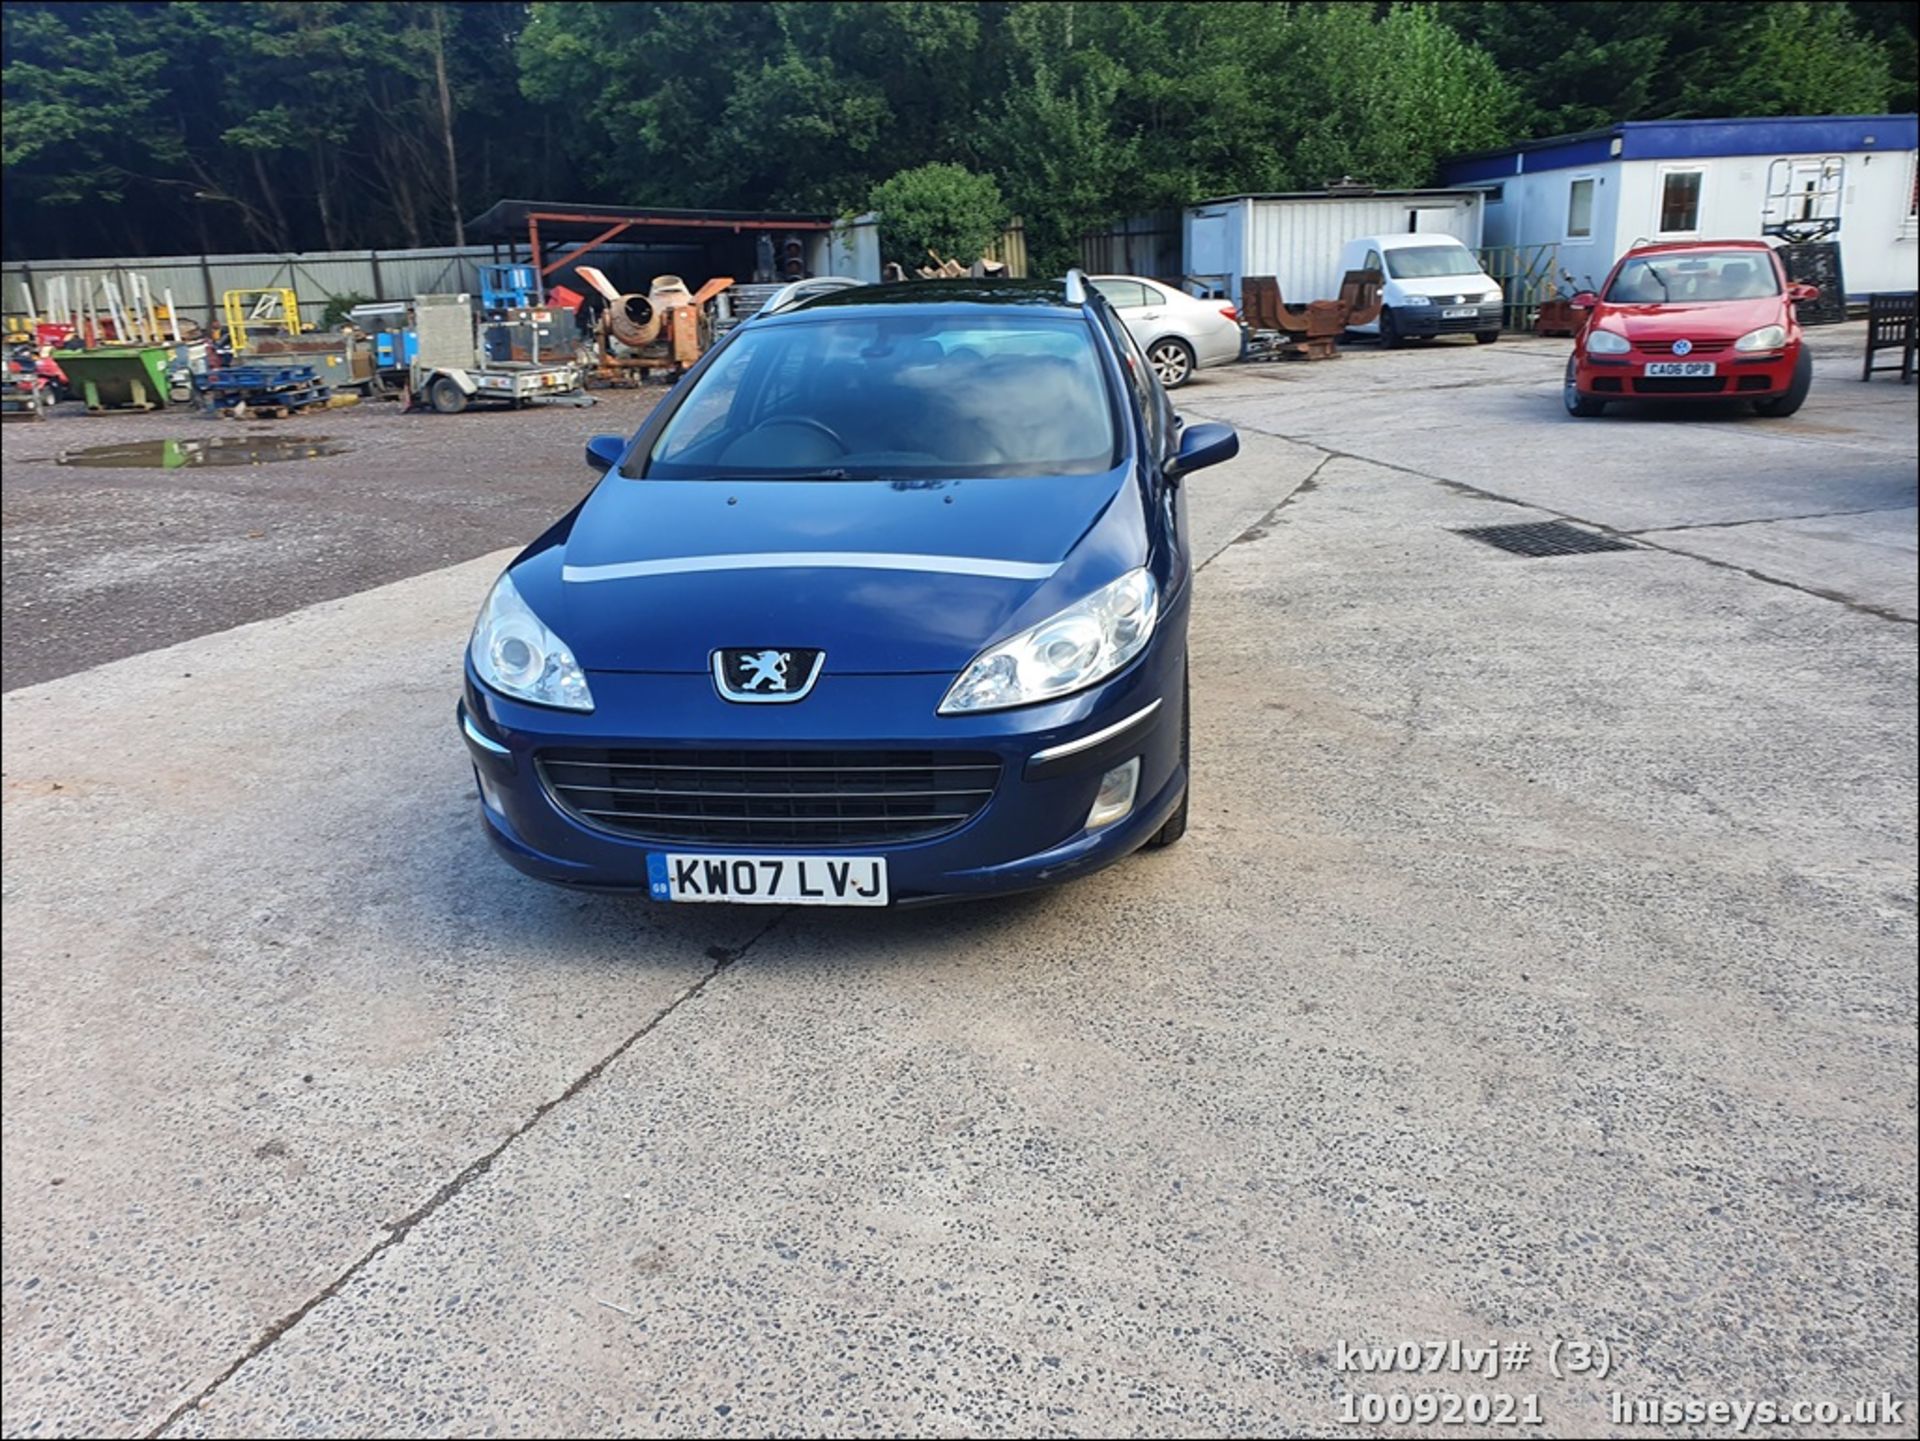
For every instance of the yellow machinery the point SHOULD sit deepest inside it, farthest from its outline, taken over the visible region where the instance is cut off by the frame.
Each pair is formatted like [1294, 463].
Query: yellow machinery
[274, 311]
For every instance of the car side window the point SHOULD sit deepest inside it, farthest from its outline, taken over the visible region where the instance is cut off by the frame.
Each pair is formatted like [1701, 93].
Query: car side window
[1373, 262]
[1150, 296]
[1145, 386]
[1123, 293]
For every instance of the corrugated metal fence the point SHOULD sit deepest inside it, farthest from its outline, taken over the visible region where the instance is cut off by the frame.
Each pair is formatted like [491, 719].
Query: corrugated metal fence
[1146, 245]
[197, 281]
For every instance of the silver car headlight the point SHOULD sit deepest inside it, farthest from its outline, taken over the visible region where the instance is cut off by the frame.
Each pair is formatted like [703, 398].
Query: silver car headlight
[1417, 300]
[1607, 342]
[1492, 297]
[1767, 337]
[513, 651]
[1079, 647]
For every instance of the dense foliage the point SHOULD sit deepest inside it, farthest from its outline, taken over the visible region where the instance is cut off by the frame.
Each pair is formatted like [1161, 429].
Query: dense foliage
[202, 124]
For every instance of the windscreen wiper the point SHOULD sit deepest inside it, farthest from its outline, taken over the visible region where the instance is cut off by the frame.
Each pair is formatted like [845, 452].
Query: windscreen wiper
[1660, 281]
[825, 473]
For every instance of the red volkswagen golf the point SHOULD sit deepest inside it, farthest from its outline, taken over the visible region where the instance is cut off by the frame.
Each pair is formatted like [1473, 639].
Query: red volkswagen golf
[1690, 321]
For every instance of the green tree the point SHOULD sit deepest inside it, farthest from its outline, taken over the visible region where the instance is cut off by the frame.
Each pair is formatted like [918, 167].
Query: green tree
[1795, 57]
[937, 207]
[1583, 64]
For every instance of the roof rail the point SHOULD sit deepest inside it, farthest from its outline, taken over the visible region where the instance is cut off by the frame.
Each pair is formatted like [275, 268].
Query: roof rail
[1076, 286]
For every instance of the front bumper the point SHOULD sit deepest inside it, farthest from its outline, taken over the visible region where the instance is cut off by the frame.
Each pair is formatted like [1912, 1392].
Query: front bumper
[1424, 320]
[1736, 376]
[1031, 832]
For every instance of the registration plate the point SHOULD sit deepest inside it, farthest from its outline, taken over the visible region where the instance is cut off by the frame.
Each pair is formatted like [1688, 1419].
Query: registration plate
[1681, 368]
[1459, 312]
[769, 880]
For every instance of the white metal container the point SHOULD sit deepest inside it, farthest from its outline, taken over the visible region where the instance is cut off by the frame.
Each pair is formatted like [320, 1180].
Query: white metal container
[1297, 238]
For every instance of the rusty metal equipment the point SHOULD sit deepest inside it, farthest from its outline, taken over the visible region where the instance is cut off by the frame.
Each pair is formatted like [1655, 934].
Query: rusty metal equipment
[1278, 331]
[1362, 292]
[667, 329]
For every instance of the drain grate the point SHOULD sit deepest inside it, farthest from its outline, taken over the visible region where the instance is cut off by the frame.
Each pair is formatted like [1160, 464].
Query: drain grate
[1550, 537]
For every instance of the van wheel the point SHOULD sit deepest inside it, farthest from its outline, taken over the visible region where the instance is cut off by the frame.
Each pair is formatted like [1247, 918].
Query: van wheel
[446, 397]
[1485, 337]
[1795, 394]
[1390, 336]
[1176, 825]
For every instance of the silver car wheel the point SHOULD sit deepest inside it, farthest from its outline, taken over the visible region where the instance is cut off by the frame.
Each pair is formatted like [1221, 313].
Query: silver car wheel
[1172, 362]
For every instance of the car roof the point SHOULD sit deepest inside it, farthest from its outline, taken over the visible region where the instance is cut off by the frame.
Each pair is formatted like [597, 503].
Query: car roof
[986, 294]
[1667, 247]
[1410, 239]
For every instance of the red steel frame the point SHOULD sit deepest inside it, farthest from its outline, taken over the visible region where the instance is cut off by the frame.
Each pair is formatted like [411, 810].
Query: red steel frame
[624, 223]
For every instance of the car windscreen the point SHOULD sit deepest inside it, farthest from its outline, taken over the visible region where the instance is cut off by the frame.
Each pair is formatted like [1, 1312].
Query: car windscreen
[861, 395]
[1694, 276]
[1426, 262]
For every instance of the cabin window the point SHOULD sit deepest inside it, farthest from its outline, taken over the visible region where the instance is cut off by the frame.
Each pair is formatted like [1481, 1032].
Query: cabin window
[1580, 208]
[1680, 201]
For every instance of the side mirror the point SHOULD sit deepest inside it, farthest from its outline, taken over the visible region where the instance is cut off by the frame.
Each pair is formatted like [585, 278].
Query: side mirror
[604, 451]
[1202, 446]
[1584, 300]
[1799, 294]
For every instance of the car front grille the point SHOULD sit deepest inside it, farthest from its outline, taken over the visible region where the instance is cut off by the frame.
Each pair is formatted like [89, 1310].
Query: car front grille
[810, 798]
[1665, 347]
[1680, 384]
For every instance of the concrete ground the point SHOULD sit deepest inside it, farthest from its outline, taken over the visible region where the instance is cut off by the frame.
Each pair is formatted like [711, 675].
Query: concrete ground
[1538, 967]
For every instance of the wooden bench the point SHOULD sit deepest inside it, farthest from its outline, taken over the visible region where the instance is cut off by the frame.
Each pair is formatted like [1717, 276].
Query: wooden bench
[1890, 326]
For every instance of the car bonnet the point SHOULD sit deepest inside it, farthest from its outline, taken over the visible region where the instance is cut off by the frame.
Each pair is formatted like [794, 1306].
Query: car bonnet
[886, 577]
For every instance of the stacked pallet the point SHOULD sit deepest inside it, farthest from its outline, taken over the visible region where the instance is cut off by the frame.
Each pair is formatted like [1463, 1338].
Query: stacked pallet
[273, 391]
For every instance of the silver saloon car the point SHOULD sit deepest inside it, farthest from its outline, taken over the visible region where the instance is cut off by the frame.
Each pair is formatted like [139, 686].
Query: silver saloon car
[1177, 333]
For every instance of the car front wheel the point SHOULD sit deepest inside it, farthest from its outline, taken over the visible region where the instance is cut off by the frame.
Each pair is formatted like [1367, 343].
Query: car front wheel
[1584, 406]
[1795, 395]
[1172, 361]
[1176, 825]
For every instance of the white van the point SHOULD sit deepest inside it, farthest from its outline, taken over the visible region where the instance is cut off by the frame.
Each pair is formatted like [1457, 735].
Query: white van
[1434, 286]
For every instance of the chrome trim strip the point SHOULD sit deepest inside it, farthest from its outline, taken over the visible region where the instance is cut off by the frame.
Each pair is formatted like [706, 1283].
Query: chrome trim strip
[752, 697]
[816, 560]
[1087, 743]
[486, 743]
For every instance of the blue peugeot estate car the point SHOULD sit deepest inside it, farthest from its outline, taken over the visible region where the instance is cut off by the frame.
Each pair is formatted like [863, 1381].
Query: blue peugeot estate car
[886, 602]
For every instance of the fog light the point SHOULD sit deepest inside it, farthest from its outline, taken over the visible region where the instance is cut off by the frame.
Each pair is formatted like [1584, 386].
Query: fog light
[1116, 795]
[489, 797]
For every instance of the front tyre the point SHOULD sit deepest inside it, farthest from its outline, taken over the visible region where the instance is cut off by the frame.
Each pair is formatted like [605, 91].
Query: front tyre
[1485, 337]
[1584, 406]
[1795, 394]
[1176, 825]
[1390, 336]
[1172, 360]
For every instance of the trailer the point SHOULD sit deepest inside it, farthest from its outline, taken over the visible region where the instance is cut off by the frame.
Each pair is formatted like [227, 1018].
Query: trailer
[455, 364]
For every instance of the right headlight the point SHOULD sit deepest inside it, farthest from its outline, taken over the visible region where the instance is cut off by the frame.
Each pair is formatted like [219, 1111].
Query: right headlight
[1079, 647]
[1767, 337]
[1607, 342]
[1417, 300]
[514, 652]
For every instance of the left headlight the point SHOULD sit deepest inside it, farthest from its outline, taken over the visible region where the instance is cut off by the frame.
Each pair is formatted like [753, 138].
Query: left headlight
[1079, 647]
[515, 653]
[1767, 337]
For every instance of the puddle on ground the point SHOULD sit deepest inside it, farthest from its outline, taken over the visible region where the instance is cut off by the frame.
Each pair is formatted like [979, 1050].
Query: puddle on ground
[217, 450]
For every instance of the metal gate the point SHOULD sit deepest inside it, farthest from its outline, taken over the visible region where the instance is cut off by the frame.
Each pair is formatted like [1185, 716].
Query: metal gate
[1528, 274]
